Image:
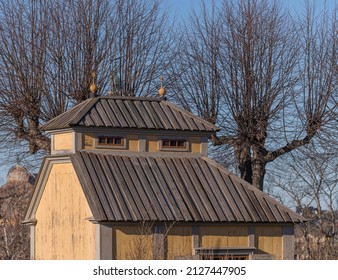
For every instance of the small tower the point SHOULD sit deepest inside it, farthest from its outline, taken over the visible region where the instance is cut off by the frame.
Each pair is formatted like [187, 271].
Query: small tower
[18, 174]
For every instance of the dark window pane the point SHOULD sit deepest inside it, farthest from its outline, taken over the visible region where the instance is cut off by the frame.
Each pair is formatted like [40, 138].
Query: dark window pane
[102, 140]
[118, 141]
[181, 143]
[173, 143]
[166, 143]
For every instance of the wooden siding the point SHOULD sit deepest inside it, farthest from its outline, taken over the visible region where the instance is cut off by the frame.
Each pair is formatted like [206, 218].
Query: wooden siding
[179, 242]
[195, 144]
[152, 144]
[63, 141]
[223, 236]
[269, 240]
[88, 141]
[132, 242]
[133, 144]
[62, 231]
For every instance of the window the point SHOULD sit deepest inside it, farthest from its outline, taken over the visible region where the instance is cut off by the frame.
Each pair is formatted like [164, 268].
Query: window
[174, 145]
[110, 142]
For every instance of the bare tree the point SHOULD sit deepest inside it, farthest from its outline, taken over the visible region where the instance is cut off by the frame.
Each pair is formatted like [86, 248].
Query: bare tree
[14, 237]
[48, 50]
[42, 56]
[22, 59]
[265, 77]
[145, 246]
[311, 184]
[142, 47]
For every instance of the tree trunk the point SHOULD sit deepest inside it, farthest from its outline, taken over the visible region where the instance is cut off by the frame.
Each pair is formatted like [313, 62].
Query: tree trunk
[243, 158]
[251, 166]
[258, 173]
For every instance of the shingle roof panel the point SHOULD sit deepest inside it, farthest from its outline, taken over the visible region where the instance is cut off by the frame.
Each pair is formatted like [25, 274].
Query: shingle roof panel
[121, 188]
[127, 112]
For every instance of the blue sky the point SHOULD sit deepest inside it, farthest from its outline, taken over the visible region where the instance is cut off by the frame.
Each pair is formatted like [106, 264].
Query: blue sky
[182, 7]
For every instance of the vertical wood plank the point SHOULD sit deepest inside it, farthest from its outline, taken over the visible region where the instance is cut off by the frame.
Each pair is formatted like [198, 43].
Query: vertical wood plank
[104, 242]
[288, 242]
[251, 236]
[204, 146]
[142, 145]
[97, 242]
[195, 239]
[158, 242]
[32, 242]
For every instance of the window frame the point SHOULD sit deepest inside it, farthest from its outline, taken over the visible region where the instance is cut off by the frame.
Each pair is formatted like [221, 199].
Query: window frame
[174, 148]
[113, 145]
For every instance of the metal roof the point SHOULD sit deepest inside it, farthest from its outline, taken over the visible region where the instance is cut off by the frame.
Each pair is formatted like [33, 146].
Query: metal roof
[122, 188]
[129, 112]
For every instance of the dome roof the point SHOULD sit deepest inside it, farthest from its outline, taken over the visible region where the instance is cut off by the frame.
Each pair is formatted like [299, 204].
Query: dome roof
[18, 174]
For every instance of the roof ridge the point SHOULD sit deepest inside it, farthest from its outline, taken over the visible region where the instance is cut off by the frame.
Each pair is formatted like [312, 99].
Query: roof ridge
[65, 112]
[80, 114]
[138, 98]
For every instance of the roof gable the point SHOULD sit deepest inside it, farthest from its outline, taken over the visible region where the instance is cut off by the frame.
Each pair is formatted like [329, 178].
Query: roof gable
[121, 188]
[129, 112]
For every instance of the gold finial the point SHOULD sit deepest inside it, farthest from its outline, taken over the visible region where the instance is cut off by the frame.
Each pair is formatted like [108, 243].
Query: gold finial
[93, 87]
[162, 90]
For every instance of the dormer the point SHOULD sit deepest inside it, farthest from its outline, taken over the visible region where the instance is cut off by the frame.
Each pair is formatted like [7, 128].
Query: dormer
[120, 125]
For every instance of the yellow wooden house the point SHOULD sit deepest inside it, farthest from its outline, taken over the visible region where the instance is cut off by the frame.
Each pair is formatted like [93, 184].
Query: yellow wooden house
[129, 178]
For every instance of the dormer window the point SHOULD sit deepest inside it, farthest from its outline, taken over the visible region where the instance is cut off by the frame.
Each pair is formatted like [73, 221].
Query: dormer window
[174, 145]
[110, 141]
[117, 142]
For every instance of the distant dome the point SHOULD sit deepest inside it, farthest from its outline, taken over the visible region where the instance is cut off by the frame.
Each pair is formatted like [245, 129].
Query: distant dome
[18, 174]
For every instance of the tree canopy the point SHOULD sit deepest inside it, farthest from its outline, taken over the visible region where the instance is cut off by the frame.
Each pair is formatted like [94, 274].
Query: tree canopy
[267, 77]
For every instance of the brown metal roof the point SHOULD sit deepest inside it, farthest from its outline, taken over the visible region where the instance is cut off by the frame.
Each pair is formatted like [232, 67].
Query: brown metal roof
[129, 112]
[121, 188]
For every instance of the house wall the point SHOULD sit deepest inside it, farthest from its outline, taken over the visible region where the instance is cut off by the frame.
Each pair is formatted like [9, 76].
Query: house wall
[63, 141]
[88, 142]
[132, 242]
[133, 145]
[218, 236]
[195, 144]
[152, 144]
[269, 239]
[62, 231]
[181, 240]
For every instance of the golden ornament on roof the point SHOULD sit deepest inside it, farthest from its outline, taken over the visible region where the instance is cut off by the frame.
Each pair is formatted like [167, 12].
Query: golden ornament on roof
[93, 87]
[162, 90]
